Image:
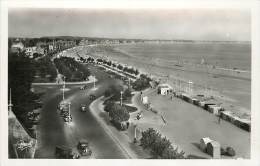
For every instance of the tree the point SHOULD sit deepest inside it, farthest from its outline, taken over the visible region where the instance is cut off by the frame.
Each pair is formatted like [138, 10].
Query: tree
[142, 83]
[127, 93]
[118, 113]
[120, 67]
[21, 71]
[108, 105]
[160, 146]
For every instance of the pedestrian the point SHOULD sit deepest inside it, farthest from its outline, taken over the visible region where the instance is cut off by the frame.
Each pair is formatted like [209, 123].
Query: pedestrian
[219, 118]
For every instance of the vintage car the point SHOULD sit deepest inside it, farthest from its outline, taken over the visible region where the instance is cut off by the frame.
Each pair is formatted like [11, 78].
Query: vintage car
[83, 108]
[83, 148]
[83, 87]
[92, 97]
[63, 152]
[67, 118]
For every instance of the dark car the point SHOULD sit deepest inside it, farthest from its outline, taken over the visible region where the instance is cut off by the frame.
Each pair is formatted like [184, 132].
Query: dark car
[63, 152]
[92, 97]
[83, 148]
[67, 118]
[83, 108]
[83, 87]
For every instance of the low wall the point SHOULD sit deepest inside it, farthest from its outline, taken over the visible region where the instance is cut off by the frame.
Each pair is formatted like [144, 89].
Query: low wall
[17, 136]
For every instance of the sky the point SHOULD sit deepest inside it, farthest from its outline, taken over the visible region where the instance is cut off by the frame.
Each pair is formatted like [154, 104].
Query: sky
[191, 24]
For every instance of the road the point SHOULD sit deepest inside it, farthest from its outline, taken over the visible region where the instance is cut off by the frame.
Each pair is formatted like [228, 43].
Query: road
[52, 131]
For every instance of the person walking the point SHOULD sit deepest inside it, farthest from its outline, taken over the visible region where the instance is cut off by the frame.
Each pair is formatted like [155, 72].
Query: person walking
[219, 118]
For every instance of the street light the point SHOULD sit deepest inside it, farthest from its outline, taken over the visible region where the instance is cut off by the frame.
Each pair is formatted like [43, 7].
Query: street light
[63, 89]
[94, 82]
[121, 98]
[69, 108]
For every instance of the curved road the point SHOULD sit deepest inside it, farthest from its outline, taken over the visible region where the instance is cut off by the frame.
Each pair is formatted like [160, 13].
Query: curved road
[52, 131]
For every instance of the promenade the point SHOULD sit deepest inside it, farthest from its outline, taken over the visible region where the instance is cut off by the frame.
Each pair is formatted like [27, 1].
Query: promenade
[186, 124]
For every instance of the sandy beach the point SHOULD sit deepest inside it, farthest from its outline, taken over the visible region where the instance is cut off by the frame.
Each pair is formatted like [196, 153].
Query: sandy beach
[231, 88]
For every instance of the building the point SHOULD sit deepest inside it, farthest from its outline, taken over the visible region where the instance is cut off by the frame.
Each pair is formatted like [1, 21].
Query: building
[203, 143]
[145, 100]
[213, 148]
[17, 47]
[40, 50]
[29, 51]
[164, 89]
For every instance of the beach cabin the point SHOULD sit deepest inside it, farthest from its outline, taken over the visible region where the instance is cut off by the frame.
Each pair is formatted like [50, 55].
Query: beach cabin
[164, 89]
[202, 104]
[187, 98]
[244, 124]
[215, 109]
[203, 143]
[145, 100]
[213, 148]
[208, 105]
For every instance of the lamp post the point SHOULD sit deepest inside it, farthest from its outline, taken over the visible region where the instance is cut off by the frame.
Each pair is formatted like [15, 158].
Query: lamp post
[94, 82]
[63, 89]
[121, 98]
[69, 108]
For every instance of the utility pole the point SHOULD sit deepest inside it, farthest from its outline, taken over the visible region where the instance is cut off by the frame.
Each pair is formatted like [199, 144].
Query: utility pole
[121, 98]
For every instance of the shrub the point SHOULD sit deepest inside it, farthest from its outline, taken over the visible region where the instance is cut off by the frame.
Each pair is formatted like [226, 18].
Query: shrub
[230, 151]
[142, 83]
[108, 105]
[160, 146]
[222, 151]
[118, 113]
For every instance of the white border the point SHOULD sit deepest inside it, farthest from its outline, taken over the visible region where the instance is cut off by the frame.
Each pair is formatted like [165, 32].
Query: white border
[134, 4]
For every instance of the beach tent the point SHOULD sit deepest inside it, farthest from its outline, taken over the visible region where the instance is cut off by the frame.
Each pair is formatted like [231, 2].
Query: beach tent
[195, 101]
[164, 89]
[226, 115]
[203, 143]
[187, 98]
[202, 104]
[213, 148]
[214, 109]
[207, 106]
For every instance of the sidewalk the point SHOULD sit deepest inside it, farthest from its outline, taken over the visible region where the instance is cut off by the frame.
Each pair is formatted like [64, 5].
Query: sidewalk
[187, 124]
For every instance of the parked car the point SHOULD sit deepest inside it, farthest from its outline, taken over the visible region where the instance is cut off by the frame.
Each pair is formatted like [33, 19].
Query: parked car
[67, 118]
[83, 148]
[63, 152]
[92, 97]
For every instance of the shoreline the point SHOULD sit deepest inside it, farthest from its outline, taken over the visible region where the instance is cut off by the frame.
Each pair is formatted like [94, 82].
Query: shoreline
[226, 95]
